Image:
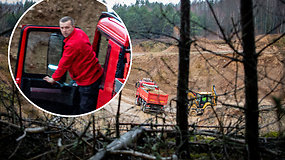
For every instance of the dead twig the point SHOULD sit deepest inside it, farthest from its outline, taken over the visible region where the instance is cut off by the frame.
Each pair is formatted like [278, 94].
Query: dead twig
[16, 149]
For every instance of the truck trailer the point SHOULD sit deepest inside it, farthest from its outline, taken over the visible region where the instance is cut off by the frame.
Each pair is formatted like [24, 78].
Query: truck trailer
[149, 96]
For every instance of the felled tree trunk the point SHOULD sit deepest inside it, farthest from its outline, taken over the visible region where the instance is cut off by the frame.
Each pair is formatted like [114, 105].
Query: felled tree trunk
[126, 140]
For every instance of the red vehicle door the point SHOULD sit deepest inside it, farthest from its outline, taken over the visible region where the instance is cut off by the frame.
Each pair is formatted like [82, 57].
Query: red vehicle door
[113, 51]
[40, 50]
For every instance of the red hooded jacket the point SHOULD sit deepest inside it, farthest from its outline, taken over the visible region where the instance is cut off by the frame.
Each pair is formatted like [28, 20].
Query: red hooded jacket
[79, 59]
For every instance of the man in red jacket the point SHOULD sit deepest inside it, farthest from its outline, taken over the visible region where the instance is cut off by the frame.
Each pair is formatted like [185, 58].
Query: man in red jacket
[80, 60]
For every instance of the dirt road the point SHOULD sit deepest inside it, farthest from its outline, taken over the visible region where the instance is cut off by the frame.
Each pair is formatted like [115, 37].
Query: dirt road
[205, 70]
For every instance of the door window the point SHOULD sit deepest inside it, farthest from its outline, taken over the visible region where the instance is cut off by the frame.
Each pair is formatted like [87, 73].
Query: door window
[44, 50]
[36, 53]
[55, 49]
[103, 50]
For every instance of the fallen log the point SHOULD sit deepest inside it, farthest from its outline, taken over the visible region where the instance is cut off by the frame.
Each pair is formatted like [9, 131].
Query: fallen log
[142, 155]
[126, 140]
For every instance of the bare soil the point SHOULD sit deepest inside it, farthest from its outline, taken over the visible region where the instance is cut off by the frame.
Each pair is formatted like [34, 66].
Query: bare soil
[202, 77]
[160, 63]
[205, 70]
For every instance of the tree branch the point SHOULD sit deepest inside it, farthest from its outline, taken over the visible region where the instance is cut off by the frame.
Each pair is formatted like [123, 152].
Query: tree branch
[268, 45]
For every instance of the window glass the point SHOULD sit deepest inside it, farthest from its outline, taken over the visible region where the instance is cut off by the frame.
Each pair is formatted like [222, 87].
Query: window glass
[44, 50]
[54, 51]
[36, 53]
[103, 48]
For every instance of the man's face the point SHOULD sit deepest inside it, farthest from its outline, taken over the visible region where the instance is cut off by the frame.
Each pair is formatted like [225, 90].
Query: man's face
[66, 28]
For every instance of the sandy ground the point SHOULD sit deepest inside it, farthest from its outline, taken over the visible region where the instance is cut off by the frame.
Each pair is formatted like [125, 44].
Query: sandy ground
[205, 70]
[161, 65]
[202, 77]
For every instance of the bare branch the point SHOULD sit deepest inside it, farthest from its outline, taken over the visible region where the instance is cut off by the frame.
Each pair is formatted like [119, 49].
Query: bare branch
[171, 70]
[269, 32]
[145, 34]
[217, 54]
[269, 44]
[143, 70]
[165, 17]
[227, 40]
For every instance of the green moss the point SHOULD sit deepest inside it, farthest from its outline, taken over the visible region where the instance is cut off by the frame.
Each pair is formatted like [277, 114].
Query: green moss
[201, 138]
[271, 134]
[204, 156]
[200, 156]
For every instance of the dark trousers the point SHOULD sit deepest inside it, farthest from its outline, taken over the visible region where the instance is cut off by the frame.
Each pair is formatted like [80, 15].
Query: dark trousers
[88, 97]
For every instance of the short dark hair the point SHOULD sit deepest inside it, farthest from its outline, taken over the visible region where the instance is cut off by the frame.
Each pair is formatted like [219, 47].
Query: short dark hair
[67, 18]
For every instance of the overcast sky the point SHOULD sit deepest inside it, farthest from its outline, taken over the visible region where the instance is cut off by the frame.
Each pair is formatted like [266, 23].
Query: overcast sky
[110, 2]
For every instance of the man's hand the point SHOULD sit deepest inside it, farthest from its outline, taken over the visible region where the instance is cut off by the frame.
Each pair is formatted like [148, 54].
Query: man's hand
[49, 79]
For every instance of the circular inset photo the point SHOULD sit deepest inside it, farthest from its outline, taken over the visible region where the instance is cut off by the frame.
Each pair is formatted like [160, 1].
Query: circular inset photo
[69, 58]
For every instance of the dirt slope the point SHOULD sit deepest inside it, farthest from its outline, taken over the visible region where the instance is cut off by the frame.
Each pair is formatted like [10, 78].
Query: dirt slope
[159, 62]
[205, 70]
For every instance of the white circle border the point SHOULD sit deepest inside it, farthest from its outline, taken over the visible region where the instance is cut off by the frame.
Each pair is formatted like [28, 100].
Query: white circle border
[55, 114]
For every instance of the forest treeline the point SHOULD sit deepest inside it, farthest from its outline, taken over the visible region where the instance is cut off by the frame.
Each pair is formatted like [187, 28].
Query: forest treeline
[159, 19]
[10, 13]
[163, 19]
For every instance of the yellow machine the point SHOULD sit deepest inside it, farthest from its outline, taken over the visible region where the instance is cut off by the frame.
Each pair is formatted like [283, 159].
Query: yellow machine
[199, 102]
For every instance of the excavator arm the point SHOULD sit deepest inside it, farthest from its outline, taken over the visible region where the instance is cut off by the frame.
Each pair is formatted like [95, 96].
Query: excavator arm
[214, 96]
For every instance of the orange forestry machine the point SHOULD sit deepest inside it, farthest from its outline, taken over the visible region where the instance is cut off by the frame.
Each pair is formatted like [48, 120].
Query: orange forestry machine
[149, 96]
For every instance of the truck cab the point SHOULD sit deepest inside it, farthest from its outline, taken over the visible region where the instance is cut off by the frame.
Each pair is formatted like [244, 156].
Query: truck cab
[39, 52]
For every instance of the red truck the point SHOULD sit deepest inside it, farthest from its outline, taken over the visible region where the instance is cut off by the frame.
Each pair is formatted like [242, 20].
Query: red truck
[149, 96]
[40, 49]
